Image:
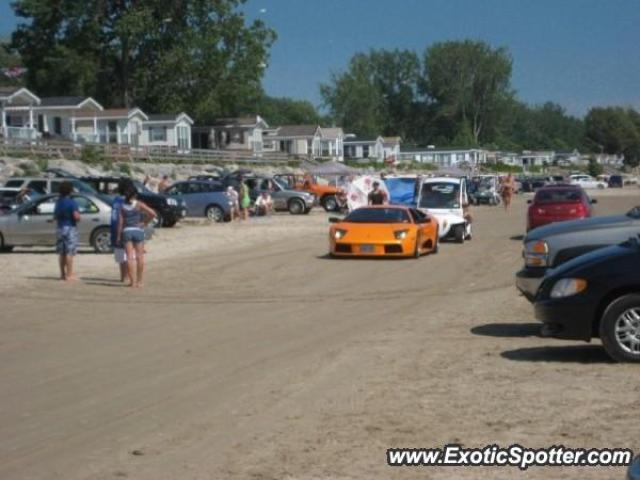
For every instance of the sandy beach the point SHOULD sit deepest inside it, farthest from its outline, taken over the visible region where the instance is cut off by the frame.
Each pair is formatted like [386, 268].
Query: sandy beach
[250, 354]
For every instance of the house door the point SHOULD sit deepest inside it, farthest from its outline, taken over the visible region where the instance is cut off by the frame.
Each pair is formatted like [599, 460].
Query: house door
[112, 132]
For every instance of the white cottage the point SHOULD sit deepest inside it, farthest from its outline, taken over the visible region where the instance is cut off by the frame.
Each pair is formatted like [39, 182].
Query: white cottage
[118, 126]
[362, 147]
[55, 117]
[167, 131]
[17, 112]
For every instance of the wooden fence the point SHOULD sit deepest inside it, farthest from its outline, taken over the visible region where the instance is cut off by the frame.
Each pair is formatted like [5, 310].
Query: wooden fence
[126, 153]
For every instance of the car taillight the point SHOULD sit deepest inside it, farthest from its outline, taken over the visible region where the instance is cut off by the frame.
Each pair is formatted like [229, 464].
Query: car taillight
[540, 211]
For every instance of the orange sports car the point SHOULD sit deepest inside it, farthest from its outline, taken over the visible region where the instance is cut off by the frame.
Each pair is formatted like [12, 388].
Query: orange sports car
[386, 230]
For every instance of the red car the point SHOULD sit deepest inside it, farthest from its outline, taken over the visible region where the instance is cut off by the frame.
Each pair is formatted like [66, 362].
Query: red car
[557, 203]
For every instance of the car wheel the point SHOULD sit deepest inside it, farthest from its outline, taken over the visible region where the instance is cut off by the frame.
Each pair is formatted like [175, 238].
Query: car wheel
[600, 186]
[296, 206]
[169, 223]
[101, 240]
[214, 213]
[158, 221]
[620, 328]
[329, 203]
[459, 233]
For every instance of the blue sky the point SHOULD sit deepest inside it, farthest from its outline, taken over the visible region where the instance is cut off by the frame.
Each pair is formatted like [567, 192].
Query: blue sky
[579, 53]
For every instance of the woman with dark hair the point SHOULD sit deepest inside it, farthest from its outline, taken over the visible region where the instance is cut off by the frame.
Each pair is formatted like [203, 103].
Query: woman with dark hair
[131, 225]
[67, 216]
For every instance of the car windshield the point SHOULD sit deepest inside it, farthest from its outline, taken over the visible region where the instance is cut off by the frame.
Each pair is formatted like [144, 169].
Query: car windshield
[440, 195]
[558, 196]
[378, 215]
[140, 187]
[486, 183]
[280, 183]
[82, 187]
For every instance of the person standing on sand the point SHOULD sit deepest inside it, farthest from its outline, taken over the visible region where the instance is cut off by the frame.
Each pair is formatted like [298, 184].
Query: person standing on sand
[119, 254]
[232, 196]
[67, 216]
[131, 224]
[506, 191]
[245, 199]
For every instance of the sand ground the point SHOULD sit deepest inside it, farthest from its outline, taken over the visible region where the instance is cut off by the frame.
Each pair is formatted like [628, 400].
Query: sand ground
[251, 355]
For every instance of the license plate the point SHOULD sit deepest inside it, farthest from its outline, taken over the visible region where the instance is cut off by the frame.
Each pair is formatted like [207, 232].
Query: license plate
[366, 248]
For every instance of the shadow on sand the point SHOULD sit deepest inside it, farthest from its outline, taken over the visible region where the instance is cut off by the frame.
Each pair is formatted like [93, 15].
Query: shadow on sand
[508, 330]
[562, 354]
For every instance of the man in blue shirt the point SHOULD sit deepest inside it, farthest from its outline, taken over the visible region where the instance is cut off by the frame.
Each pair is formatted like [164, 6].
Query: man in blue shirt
[119, 253]
[67, 216]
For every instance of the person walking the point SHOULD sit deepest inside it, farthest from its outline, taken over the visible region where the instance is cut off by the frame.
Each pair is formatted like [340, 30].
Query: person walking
[67, 217]
[232, 197]
[507, 188]
[134, 217]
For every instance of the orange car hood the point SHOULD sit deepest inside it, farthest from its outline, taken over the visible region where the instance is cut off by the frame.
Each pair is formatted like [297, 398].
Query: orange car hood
[372, 231]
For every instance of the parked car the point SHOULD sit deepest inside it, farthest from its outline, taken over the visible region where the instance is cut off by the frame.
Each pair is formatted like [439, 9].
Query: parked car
[284, 199]
[32, 224]
[552, 245]
[169, 210]
[587, 181]
[384, 231]
[328, 196]
[206, 177]
[202, 199]
[49, 185]
[616, 181]
[558, 203]
[446, 199]
[596, 295]
[484, 189]
[531, 184]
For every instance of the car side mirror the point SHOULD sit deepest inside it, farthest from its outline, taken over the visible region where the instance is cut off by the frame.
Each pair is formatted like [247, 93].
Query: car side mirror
[529, 201]
[593, 200]
[334, 220]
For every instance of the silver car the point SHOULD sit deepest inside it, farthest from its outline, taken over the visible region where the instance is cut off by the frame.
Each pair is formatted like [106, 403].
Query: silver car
[32, 224]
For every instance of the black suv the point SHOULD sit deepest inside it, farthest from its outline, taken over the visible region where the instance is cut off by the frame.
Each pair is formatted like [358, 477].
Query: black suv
[169, 210]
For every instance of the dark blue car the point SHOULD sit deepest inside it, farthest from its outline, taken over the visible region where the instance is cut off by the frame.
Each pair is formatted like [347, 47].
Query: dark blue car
[202, 199]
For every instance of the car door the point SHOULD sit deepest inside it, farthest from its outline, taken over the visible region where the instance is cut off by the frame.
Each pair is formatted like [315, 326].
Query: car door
[178, 191]
[90, 218]
[278, 196]
[36, 225]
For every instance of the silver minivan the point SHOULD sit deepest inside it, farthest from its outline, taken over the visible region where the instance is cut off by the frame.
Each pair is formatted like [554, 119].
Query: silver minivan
[32, 224]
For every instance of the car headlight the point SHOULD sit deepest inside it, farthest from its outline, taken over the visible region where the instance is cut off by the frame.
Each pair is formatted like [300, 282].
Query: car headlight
[172, 202]
[567, 287]
[401, 234]
[536, 254]
[339, 233]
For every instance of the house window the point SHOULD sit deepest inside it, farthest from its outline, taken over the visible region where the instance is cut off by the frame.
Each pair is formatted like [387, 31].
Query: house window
[158, 134]
[40, 123]
[57, 125]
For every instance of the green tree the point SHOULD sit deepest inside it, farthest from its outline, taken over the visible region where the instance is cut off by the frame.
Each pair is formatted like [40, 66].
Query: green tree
[594, 167]
[163, 55]
[287, 111]
[377, 93]
[470, 83]
[614, 130]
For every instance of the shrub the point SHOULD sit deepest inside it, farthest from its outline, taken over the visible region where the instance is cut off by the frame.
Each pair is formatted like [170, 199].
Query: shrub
[124, 168]
[91, 155]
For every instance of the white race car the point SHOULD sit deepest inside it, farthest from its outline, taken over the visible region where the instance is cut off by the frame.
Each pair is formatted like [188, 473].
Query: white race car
[444, 198]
